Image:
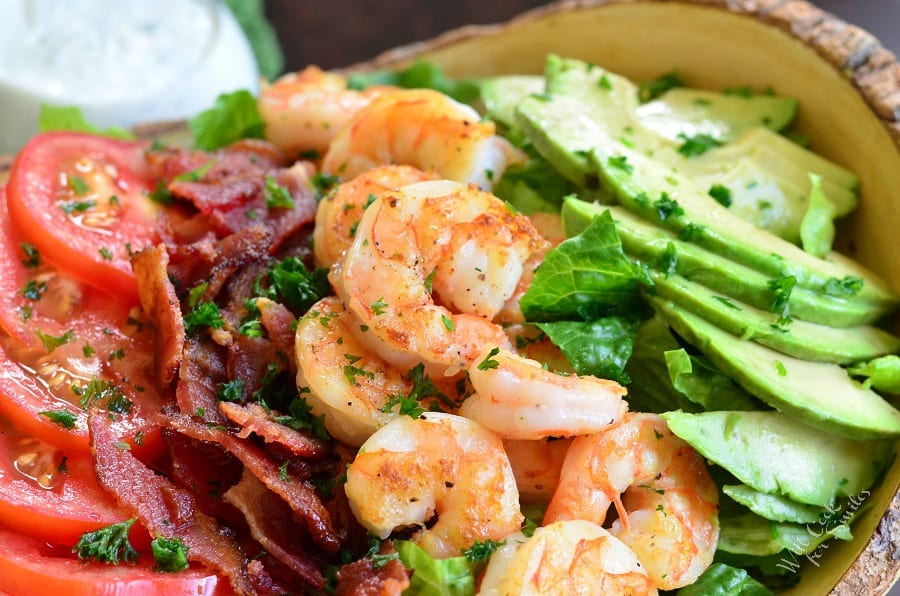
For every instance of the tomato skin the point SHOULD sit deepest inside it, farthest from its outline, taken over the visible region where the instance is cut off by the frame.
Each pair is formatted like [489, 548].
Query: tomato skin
[35, 186]
[75, 505]
[29, 566]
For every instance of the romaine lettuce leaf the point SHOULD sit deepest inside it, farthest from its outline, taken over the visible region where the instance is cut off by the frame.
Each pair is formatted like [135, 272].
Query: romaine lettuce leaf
[586, 277]
[599, 348]
[435, 577]
[422, 74]
[71, 118]
[723, 580]
[700, 381]
[234, 116]
[817, 225]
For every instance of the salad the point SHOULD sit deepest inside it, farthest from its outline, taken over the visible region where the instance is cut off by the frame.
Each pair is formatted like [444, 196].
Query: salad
[582, 333]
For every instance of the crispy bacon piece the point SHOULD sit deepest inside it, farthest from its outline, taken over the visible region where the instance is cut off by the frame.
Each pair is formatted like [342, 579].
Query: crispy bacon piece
[365, 578]
[158, 299]
[208, 471]
[232, 253]
[202, 373]
[163, 508]
[299, 495]
[272, 525]
[229, 187]
[279, 323]
[253, 418]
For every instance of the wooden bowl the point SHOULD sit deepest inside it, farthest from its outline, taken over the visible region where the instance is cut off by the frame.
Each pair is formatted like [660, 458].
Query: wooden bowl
[849, 91]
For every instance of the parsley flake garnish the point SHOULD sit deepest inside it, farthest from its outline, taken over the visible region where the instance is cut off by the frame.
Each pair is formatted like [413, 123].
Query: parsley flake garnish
[107, 545]
[277, 196]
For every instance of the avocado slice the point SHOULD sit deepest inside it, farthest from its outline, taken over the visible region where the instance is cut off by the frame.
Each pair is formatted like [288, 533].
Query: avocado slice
[775, 453]
[774, 507]
[684, 112]
[800, 339]
[646, 189]
[648, 242]
[749, 534]
[502, 94]
[821, 394]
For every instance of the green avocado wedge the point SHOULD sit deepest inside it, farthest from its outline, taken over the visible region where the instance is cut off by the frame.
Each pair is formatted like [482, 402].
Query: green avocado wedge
[774, 507]
[502, 94]
[800, 339]
[649, 242]
[681, 112]
[820, 394]
[789, 458]
[674, 202]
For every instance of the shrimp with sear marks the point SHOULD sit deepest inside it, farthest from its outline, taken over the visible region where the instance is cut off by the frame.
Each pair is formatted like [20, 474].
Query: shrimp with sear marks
[439, 464]
[668, 515]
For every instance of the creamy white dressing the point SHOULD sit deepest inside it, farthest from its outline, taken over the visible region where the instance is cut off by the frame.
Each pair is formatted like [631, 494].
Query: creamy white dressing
[121, 61]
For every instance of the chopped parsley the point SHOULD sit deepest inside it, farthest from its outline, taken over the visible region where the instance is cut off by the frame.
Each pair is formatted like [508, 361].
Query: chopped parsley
[650, 90]
[621, 162]
[51, 342]
[667, 207]
[105, 393]
[429, 281]
[721, 193]
[849, 285]
[300, 417]
[231, 391]
[63, 418]
[204, 314]
[292, 284]
[378, 306]
[105, 253]
[161, 194]
[78, 186]
[322, 183]
[489, 362]
[697, 144]
[107, 545]
[32, 256]
[277, 196]
[604, 83]
[33, 290]
[780, 303]
[170, 554]
[482, 551]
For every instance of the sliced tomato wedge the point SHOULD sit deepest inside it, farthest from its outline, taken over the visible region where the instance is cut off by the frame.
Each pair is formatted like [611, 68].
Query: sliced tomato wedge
[29, 566]
[82, 201]
[49, 495]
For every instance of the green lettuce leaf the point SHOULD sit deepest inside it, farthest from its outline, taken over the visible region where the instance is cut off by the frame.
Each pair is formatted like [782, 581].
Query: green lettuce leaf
[724, 580]
[534, 186]
[586, 277]
[422, 74]
[700, 381]
[71, 118]
[435, 577]
[251, 16]
[599, 348]
[774, 507]
[233, 117]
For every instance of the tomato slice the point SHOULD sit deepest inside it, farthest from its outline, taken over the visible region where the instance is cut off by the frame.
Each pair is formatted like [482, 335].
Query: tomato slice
[82, 201]
[49, 495]
[30, 566]
[66, 338]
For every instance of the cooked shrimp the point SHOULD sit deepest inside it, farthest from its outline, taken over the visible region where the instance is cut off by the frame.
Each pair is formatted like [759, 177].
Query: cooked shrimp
[567, 557]
[440, 236]
[303, 111]
[669, 513]
[422, 128]
[341, 379]
[518, 399]
[440, 464]
[536, 466]
[339, 213]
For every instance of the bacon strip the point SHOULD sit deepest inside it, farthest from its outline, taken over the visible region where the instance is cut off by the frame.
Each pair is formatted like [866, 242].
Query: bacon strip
[158, 299]
[253, 418]
[202, 373]
[271, 524]
[299, 495]
[364, 578]
[163, 508]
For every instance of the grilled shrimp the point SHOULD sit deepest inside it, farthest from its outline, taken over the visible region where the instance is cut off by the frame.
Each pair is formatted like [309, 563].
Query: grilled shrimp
[425, 129]
[304, 110]
[536, 466]
[438, 464]
[442, 237]
[567, 557]
[342, 380]
[339, 213]
[518, 399]
[668, 516]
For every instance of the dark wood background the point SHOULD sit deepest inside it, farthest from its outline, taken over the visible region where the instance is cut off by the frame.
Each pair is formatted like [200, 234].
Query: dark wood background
[335, 33]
